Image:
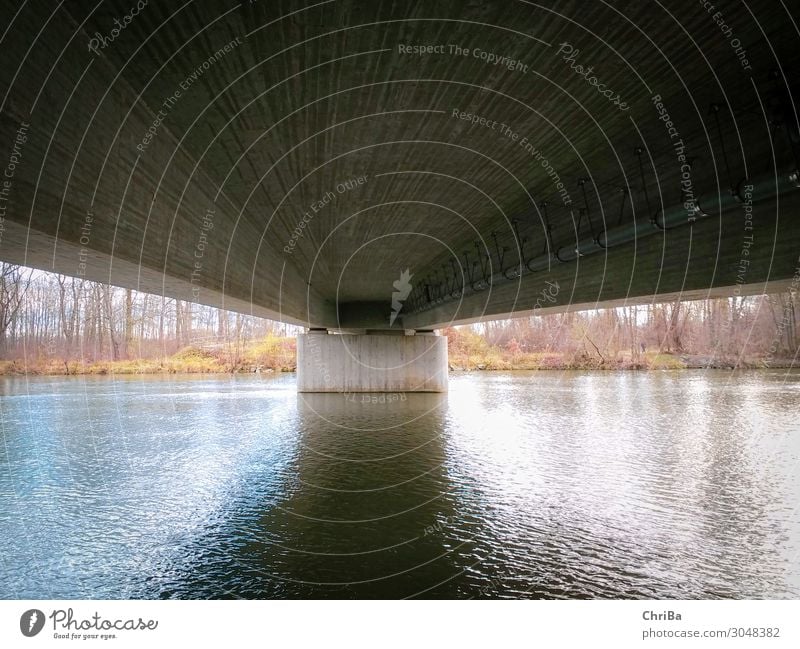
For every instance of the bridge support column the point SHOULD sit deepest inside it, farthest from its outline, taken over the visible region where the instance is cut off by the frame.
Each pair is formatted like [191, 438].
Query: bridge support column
[371, 362]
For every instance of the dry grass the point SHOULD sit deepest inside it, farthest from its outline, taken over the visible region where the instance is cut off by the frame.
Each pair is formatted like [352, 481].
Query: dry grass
[279, 354]
[269, 354]
[498, 359]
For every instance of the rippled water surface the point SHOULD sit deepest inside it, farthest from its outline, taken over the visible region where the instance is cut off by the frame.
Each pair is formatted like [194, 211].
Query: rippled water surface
[667, 485]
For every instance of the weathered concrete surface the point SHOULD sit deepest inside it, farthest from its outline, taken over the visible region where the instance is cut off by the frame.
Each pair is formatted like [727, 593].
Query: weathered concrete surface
[314, 159]
[371, 363]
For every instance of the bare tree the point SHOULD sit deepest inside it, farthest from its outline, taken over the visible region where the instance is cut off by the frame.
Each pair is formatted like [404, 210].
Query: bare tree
[14, 284]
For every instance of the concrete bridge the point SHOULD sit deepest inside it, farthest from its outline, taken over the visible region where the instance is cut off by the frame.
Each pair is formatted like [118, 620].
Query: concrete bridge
[394, 167]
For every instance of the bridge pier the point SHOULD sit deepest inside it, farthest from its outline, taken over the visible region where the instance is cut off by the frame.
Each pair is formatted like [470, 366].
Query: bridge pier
[375, 361]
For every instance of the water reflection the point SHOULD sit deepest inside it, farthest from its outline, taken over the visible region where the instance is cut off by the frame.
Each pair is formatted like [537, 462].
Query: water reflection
[548, 484]
[369, 486]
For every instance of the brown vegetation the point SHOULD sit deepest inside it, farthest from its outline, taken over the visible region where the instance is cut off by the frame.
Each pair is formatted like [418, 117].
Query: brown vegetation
[272, 354]
[742, 332]
[52, 324]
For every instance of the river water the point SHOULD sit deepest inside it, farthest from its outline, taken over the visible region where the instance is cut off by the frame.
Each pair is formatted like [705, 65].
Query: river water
[549, 484]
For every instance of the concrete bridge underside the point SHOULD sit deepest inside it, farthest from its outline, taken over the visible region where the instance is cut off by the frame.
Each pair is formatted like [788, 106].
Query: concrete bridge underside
[356, 165]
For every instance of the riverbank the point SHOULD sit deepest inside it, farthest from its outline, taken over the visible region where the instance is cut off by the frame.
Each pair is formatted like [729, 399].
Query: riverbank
[197, 361]
[269, 356]
[648, 361]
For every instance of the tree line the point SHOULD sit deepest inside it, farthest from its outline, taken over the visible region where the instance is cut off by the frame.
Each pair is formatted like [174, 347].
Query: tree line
[46, 315]
[727, 330]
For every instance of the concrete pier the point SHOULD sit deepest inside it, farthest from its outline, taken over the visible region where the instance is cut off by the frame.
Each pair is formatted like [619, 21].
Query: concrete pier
[371, 362]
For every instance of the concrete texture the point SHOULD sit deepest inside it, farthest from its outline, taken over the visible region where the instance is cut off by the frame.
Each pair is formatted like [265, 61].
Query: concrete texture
[371, 363]
[299, 174]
